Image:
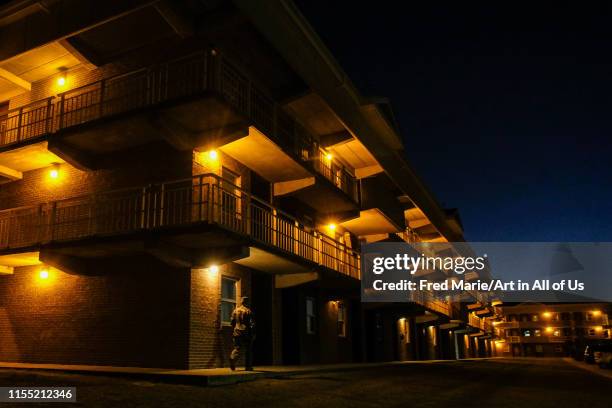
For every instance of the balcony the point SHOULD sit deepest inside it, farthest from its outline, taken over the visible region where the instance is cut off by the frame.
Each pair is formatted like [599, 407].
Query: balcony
[196, 214]
[538, 339]
[200, 100]
[431, 302]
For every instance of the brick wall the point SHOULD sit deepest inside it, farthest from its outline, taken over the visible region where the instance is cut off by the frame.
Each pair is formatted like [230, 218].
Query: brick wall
[136, 315]
[145, 165]
[210, 343]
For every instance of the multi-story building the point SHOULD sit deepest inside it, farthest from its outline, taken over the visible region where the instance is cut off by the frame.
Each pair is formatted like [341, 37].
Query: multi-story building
[160, 159]
[536, 329]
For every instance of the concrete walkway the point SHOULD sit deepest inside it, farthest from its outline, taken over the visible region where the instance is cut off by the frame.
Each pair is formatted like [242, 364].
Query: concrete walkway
[213, 376]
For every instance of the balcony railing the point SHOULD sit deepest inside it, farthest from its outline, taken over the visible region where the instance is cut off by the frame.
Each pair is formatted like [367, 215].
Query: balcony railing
[430, 301]
[202, 199]
[171, 81]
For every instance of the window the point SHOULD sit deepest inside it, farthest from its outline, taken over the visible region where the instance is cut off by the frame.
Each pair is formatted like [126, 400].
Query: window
[341, 319]
[557, 333]
[591, 332]
[311, 317]
[558, 349]
[228, 299]
[527, 333]
[537, 333]
[535, 318]
[506, 348]
[539, 348]
[589, 316]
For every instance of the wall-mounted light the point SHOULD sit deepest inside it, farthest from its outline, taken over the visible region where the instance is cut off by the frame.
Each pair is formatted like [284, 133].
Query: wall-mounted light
[213, 269]
[329, 156]
[61, 80]
[549, 329]
[331, 227]
[213, 155]
[546, 314]
[43, 274]
[596, 312]
[54, 172]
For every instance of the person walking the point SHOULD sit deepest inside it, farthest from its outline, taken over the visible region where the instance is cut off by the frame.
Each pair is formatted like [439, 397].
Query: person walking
[243, 325]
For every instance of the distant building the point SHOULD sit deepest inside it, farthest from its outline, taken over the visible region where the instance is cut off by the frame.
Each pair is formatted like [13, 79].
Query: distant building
[546, 330]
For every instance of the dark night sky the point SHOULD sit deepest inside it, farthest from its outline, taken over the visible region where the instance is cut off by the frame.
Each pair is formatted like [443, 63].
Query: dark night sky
[505, 110]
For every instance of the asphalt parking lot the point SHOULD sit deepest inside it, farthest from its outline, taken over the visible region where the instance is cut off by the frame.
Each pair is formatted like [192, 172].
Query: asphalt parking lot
[493, 383]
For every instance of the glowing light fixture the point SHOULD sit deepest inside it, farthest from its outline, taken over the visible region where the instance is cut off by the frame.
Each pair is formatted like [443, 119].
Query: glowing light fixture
[329, 156]
[331, 227]
[54, 172]
[596, 312]
[213, 269]
[43, 274]
[546, 314]
[213, 155]
[61, 80]
[549, 329]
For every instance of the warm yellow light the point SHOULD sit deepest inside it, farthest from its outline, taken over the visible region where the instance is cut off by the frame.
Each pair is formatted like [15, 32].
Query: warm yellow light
[546, 314]
[596, 312]
[332, 227]
[549, 329]
[213, 155]
[43, 274]
[329, 156]
[61, 81]
[213, 269]
[598, 328]
[54, 173]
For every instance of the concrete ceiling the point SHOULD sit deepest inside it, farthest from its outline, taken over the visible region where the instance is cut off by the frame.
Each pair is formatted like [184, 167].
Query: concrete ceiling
[30, 157]
[265, 157]
[371, 221]
[21, 259]
[32, 66]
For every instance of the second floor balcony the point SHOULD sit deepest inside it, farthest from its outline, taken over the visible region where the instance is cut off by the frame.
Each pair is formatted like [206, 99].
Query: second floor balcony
[201, 99]
[194, 213]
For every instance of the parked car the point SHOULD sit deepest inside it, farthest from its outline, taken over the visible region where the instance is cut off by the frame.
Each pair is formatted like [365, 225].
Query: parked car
[604, 357]
[592, 351]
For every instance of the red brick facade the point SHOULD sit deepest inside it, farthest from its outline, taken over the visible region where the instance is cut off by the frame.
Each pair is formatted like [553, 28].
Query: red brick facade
[136, 315]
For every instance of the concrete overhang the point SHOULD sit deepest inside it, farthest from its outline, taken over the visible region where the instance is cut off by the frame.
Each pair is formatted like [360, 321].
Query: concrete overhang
[320, 194]
[371, 222]
[270, 263]
[265, 157]
[19, 72]
[13, 162]
[286, 29]
[296, 279]
[9, 262]
[356, 155]
[426, 318]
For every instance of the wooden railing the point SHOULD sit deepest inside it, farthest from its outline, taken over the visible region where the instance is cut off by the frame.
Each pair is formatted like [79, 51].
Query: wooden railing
[185, 77]
[202, 199]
